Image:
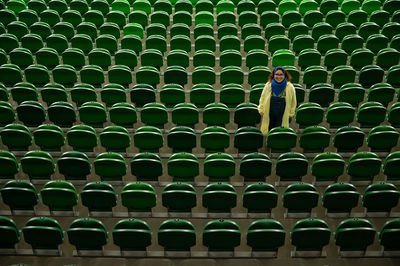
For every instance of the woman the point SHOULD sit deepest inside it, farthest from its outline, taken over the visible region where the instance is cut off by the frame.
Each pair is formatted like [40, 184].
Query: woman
[277, 101]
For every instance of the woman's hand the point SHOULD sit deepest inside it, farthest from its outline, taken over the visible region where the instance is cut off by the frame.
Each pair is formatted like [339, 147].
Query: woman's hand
[261, 113]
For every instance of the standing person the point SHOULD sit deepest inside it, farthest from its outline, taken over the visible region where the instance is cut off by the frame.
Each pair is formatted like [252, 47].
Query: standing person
[277, 101]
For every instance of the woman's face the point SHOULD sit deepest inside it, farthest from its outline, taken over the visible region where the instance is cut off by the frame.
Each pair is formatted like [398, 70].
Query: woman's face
[279, 76]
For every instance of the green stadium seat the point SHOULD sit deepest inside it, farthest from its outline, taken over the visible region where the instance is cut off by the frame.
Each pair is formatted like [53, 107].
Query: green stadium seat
[258, 57]
[49, 58]
[314, 75]
[247, 17]
[113, 93]
[43, 233]
[363, 166]
[177, 234]
[83, 93]
[255, 167]
[115, 138]
[31, 113]
[22, 91]
[371, 114]
[174, 77]
[342, 75]
[278, 42]
[248, 139]
[216, 114]
[368, 28]
[110, 28]
[245, 5]
[273, 28]
[179, 29]
[202, 94]
[57, 41]
[49, 137]
[134, 29]
[380, 197]
[309, 114]
[393, 115]
[387, 58]
[178, 58]
[319, 29]
[219, 167]
[92, 75]
[214, 138]
[110, 166]
[179, 197]
[382, 138]
[204, 74]
[123, 114]
[230, 58]
[82, 138]
[98, 197]
[246, 114]
[72, 16]
[148, 75]
[18, 29]
[183, 166]
[221, 235]
[138, 17]
[258, 74]
[381, 92]
[142, 163]
[265, 5]
[50, 16]
[314, 139]
[390, 29]
[82, 42]
[354, 234]
[16, 137]
[281, 139]
[74, 165]
[219, 197]
[154, 114]
[181, 139]
[370, 75]
[93, 114]
[18, 194]
[10, 74]
[148, 138]
[126, 229]
[296, 29]
[340, 114]
[260, 198]
[37, 74]
[59, 195]
[327, 166]
[225, 6]
[143, 93]
[74, 57]
[38, 165]
[7, 16]
[226, 17]
[62, 114]
[101, 5]
[388, 235]
[290, 17]
[182, 16]
[229, 42]
[108, 42]
[10, 232]
[161, 17]
[352, 93]
[376, 42]
[162, 5]
[261, 230]
[253, 42]
[309, 57]
[291, 166]
[138, 197]
[302, 42]
[87, 234]
[300, 198]
[120, 74]
[7, 113]
[313, 17]
[348, 139]
[340, 198]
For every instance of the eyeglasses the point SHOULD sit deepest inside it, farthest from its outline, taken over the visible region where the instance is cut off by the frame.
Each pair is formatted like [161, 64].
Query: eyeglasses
[277, 74]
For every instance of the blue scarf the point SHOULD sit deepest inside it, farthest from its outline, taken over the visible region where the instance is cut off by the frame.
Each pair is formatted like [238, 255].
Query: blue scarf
[277, 87]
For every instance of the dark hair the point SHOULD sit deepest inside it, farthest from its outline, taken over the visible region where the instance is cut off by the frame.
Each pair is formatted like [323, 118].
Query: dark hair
[287, 75]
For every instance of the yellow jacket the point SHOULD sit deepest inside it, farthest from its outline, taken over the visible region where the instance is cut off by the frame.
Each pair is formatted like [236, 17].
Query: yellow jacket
[264, 104]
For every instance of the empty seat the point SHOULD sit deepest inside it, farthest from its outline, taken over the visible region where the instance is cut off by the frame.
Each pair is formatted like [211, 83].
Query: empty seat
[148, 75]
[49, 137]
[202, 94]
[21, 57]
[221, 235]
[342, 75]
[260, 198]
[87, 234]
[327, 166]
[82, 138]
[74, 165]
[154, 114]
[127, 229]
[219, 197]
[92, 75]
[393, 76]
[19, 194]
[314, 139]
[348, 139]
[308, 114]
[148, 138]
[7, 113]
[382, 138]
[22, 91]
[248, 139]
[115, 138]
[314, 75]
[381, 92]
[98, 197]
[219, 166]
[388, 235]
[181, 138]
[43, 233]
[49, 58]
[146, 166]
[246, 114]
[255, 166]
[179, 197]
[83, 93]
[281, 139]
[38, 164]
[380, 197]
[300, 198]
[309, 57]
[123, 114]
[185, 114]
[371, 114]
[142, 94]
[340, 198]
[113, 93]
[52, 93]
[291, 166]
[11, 234]
[176, 235]
[171, 94]
[93, 114]
[352, 93]
[16, 137]
[138, 197]
[370, 75]
[354, 234]
[110, 166]
[10, 74]
[59, 195]
[335, 58]
[10, 165]
[183, 166]
[214, 139]
[340, 114]
[391, 165]
[65, 75]
[363, 166]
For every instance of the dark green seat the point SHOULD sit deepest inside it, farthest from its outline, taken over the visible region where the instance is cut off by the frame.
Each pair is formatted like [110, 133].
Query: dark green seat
[327, 166]
[148, 138]
[126, 57]
[142, 94]
[43, 233]
[219, 166]
[8, 164]
[10, 74]
[334, 58]
[265, 235]
[370, 75]
[110, 166]
[52, 93]
[148, 75]
[260, 198]
[363, 166]
[361, 57]
[74, 165]
[340, 198]
[354, 234]
[146, 166]
[49, 137]
[309, 114]
[342, 75]
[255, 166]
[321, 93]
[340, 114]
[82, 138]
[291, 166]
[179, 197]
[185, 114]
[181, 138]
[64, 74]
[248, 139]
[16, 137]
[314, 75]
[389, 234]
[154, 114]
[382, 93]
[221, 235]
[310, 235]
[176, 235]
[19, 195]
[59, 195]
[348, 139]
[22, 91]
[83, 93]
[171, 94]
[98, 197]
[380, 197]
[138, 197]
[214, 139]
[123, 114]
[115, 138]
[100, 57]
[352, 93]
[382, 138]
[49, 58]
[120, 74]
[183, 166]
[127, 229]
[10, 233]
[309, 57]
[113, 93]
[21, 57]
[38, 164]
[246, 114]
[93, 114]
[392, 76]
[219, 197]
[62, 114]
[281, 139]
[300, 198]
[314, 139]
[391, 165]
[87, 234]
[371, 114]
[232, 94]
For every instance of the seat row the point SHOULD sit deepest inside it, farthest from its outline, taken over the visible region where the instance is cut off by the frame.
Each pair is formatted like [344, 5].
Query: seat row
[290, 166]
[60, 195]
[217, 235]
